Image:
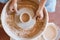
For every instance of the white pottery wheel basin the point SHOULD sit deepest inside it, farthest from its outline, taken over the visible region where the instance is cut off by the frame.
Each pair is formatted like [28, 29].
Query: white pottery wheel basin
[15, 32]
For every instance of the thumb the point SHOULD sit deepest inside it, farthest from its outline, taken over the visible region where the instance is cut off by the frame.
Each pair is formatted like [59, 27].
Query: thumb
[15, 7]
[41, 14]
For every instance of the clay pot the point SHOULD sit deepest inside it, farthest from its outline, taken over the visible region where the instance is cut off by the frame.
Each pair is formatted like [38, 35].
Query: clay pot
[21, 24]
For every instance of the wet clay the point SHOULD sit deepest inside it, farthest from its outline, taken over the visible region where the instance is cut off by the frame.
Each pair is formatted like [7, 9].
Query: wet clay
[38, 27]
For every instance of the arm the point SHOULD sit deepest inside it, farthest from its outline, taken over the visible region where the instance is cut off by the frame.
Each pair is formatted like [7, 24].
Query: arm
[39, 13]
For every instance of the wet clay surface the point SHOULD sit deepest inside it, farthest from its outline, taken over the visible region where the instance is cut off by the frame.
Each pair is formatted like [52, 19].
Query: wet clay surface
[54, 17]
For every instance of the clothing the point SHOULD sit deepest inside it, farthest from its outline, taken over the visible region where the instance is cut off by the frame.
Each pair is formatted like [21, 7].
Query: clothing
[3, 1]
[50, 5]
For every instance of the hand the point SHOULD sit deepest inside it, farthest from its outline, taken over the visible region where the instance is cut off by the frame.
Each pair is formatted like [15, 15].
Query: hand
[12, 7]
[39, 15]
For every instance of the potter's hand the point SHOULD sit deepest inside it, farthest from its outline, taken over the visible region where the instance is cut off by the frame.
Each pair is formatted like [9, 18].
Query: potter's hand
[12, 6]
[39, 15]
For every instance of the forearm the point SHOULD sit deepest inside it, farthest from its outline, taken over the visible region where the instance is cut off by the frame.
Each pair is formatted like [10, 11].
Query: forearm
[42, 4]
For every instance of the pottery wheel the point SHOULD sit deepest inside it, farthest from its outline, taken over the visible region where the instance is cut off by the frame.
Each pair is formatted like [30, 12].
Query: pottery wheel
[28, 28]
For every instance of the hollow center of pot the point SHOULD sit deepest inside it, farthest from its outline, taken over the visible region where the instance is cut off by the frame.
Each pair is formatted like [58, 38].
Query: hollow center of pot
[25, 17]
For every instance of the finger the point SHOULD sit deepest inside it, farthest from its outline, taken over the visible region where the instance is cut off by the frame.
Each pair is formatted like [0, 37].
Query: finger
[15, 7]
[34, 16]
[9, 12]
[11, 8]
[37, 18]
[41, 15]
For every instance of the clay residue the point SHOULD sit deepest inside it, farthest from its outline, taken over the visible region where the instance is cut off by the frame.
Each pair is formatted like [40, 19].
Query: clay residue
[25, 17]
[37, 28]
